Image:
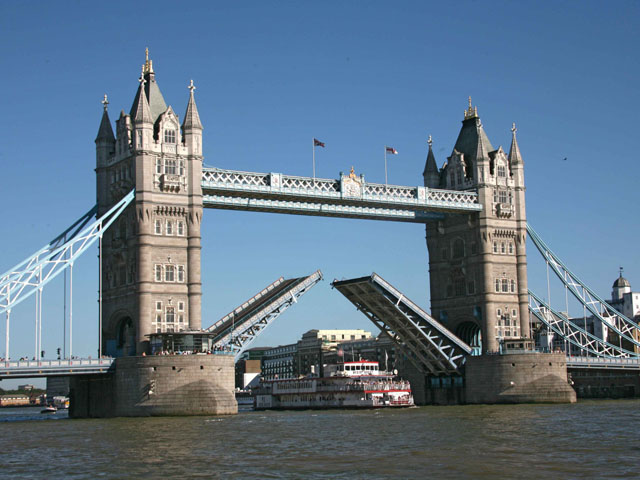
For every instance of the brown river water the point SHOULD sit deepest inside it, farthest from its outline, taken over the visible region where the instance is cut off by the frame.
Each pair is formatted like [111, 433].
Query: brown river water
[590, 439]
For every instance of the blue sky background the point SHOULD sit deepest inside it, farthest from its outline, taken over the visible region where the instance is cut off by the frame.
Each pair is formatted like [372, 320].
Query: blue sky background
[358, 75]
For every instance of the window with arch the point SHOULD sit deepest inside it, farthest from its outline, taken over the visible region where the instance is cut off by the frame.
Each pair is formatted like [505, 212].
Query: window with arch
[510, 248]
[180, 228]
[505, 285]
[503, 248]
[497, 284]
[513, 286]
[495, 247]
[158, 229]
[169, 227]
[502, 171]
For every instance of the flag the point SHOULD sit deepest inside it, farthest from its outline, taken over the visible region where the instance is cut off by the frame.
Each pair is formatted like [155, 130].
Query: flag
[318, 143]
[391, 150]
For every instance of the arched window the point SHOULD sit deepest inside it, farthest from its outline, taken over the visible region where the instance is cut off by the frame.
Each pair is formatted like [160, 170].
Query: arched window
[497, 284]
[513, 286]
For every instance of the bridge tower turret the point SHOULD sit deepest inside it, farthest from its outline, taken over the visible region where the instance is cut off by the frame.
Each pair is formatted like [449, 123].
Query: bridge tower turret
[151, 255]
[477, 262]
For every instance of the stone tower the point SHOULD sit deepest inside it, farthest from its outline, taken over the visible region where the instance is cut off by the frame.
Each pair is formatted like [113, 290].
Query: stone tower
[478, 262]
[151, 255]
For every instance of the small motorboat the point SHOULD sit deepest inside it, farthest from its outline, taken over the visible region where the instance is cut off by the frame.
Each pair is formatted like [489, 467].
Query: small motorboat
[49, 409]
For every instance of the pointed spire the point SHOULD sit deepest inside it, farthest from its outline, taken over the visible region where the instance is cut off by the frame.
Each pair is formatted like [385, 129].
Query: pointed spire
[514, 153]
[471, 112]
[191, 116]
[105, 132]
[431, 174]
[141, 112]
[157, 105]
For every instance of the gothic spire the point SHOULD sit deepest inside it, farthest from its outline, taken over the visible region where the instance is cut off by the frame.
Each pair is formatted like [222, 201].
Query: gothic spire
[514, 153]
[140, 112]
[191, 116]
[105, 132]
[431, 174]
[157, 105]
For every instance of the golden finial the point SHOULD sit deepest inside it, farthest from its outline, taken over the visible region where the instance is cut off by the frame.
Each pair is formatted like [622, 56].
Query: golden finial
[352, 174]
[471, 112]
[148, 64]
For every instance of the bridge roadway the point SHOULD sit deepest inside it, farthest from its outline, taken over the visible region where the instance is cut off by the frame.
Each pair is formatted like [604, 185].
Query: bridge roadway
[350, 196]
[54, 368]
[85, 366]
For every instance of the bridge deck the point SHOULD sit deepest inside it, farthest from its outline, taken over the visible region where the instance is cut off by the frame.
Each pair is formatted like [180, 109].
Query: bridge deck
[243, 324]
[349, 197]
[432, 348]
[53, 368]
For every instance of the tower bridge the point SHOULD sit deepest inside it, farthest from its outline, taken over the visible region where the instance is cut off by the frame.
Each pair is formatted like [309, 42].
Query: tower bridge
[152, 189]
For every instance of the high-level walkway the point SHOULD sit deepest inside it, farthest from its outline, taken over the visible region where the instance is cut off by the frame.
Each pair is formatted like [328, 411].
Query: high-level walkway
[349, 197]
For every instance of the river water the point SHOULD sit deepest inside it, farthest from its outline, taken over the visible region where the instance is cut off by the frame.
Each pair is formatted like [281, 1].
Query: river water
[590, 439]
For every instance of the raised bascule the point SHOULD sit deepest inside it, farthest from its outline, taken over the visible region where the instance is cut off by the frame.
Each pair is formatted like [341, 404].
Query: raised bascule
[152, 189]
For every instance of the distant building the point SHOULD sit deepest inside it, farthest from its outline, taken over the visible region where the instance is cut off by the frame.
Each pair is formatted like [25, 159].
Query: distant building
[249, 367]
[26, 388]
[280, 362]
[14, 400]
[316, 344]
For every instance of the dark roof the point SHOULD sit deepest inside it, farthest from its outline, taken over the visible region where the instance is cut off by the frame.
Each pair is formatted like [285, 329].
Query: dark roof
[157, 106]
[621, 282]
[472, 141]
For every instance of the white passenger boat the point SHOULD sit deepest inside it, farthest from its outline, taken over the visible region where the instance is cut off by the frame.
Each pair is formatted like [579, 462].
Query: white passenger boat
[358, 384]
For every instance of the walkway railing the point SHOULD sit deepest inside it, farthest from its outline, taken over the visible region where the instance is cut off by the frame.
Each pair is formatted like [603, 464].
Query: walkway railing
[47, 368]
[349, 196]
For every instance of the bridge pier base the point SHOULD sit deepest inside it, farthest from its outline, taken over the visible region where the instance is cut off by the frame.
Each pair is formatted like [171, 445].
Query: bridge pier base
[157, 386]
[514, 378]
[518, 378]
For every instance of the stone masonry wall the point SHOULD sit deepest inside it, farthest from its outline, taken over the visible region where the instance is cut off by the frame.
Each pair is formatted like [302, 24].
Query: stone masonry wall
[525, 378]
[158, 386]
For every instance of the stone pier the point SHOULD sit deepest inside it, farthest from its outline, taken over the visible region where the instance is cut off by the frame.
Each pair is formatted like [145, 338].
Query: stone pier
[157, 386]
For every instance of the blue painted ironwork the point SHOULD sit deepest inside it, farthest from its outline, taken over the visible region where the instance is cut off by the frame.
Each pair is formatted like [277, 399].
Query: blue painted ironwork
[600, 309]
[603, 363]
[239, 328]
[350, 196]
[53, 368]
[428, 344]
[568, 330]
[29, 276]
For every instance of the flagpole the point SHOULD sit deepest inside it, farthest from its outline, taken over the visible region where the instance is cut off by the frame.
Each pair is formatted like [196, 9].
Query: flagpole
[313, 146]
[385, 165]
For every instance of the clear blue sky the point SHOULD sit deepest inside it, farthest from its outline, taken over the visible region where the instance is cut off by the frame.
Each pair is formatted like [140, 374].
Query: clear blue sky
[357, 75]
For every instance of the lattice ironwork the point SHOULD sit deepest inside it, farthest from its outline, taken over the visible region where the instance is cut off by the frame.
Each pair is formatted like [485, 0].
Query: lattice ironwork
[314, 195]
[429, 345]
[627, 329]
[570, 331]
[35, 272]
[239, 328]
[317, 209]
